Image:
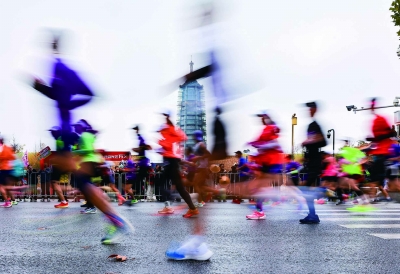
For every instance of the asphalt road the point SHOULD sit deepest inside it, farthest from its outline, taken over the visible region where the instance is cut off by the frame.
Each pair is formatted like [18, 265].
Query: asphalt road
[37, 238]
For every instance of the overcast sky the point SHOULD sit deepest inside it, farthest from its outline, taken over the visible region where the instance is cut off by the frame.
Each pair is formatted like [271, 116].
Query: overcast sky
[277, 55]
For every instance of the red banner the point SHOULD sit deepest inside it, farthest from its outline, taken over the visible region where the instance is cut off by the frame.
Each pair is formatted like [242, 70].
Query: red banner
[116, 155]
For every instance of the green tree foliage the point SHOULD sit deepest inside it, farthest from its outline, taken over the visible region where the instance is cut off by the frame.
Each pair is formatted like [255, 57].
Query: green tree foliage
[18, 148]
[395, 9]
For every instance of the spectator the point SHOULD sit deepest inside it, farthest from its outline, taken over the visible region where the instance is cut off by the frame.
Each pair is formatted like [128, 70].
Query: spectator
[293, 168]
[222, 168]
[159, 183]
[45, 182]
[234, 168]
[242, 167]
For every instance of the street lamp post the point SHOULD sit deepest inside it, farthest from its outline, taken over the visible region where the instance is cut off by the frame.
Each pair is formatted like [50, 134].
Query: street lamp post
[294, 122]
[396, 103]
[329, 136]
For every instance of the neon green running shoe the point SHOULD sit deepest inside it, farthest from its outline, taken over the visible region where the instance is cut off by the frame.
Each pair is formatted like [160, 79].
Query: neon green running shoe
[115, 233]
[361, 208]
[111, 235]
[14, 202]
[134, 201]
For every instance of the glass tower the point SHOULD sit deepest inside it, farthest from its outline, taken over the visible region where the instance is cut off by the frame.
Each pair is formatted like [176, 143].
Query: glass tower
[191, 113]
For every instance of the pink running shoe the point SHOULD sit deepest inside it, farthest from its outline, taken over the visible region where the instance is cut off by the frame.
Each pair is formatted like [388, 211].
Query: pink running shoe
[256, 216]
[6, 204]
[121, 200]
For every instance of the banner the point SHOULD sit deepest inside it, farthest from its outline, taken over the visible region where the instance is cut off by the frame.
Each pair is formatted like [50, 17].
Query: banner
[44, 153]
[116, 155]
[25, 159]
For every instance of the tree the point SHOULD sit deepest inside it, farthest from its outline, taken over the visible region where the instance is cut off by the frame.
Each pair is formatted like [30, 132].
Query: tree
[34, 160]
[395, 9]
[18, 148]
[298, 149]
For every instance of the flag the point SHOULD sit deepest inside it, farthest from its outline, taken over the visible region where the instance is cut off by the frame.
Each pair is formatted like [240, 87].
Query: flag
[25, 158]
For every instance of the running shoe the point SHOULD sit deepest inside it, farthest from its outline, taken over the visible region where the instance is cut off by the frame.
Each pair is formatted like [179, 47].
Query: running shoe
[115, 233]
[14, 202]
[6, 204]
[191, 213]
[199, 204]
[275, 203]
[89, 210]
[61, 205]
[134, 201]
[166, 210]
[194, 196]
[222, 194]
[330, 193]
[121, 200]
[190, 252]
[310, 219]
[257, 215]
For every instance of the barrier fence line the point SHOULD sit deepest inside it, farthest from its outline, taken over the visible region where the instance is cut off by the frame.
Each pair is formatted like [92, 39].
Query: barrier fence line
[153, 185]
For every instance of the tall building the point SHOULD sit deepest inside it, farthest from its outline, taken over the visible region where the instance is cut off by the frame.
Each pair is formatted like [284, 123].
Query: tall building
[191, 112]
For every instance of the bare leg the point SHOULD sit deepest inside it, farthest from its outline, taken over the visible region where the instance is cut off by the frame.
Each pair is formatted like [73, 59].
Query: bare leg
[57, 188]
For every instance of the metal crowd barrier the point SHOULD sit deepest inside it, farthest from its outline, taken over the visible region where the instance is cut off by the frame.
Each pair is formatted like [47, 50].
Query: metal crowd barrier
[150, 187]
[38, 186]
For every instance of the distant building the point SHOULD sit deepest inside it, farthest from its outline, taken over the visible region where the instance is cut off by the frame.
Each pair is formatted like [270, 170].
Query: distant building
[397, 122]
[191, 114]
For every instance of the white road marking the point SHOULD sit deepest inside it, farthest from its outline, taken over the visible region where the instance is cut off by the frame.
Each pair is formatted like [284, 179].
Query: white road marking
[371, 226]
[394, 236]
[360, 219]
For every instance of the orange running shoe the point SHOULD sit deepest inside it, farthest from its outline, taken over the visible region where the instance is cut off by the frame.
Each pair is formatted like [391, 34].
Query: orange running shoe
[191, 213]
[166, 210]
[61, 205]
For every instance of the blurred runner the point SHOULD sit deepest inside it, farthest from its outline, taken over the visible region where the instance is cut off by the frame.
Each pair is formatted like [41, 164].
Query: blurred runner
[56, 174]
[352, 177]
[88, 168]
[7, 157]
[380, 150]
[109, 179]
[130, 181]
[195, 247]
[330, 171]
[270, 160]
[142, 170]
[292, 169]
[313, 144]
[171, 137]
[200, 179]
[393, 171]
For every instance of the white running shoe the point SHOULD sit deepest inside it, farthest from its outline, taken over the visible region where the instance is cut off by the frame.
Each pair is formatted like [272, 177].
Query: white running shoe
[190, 251]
